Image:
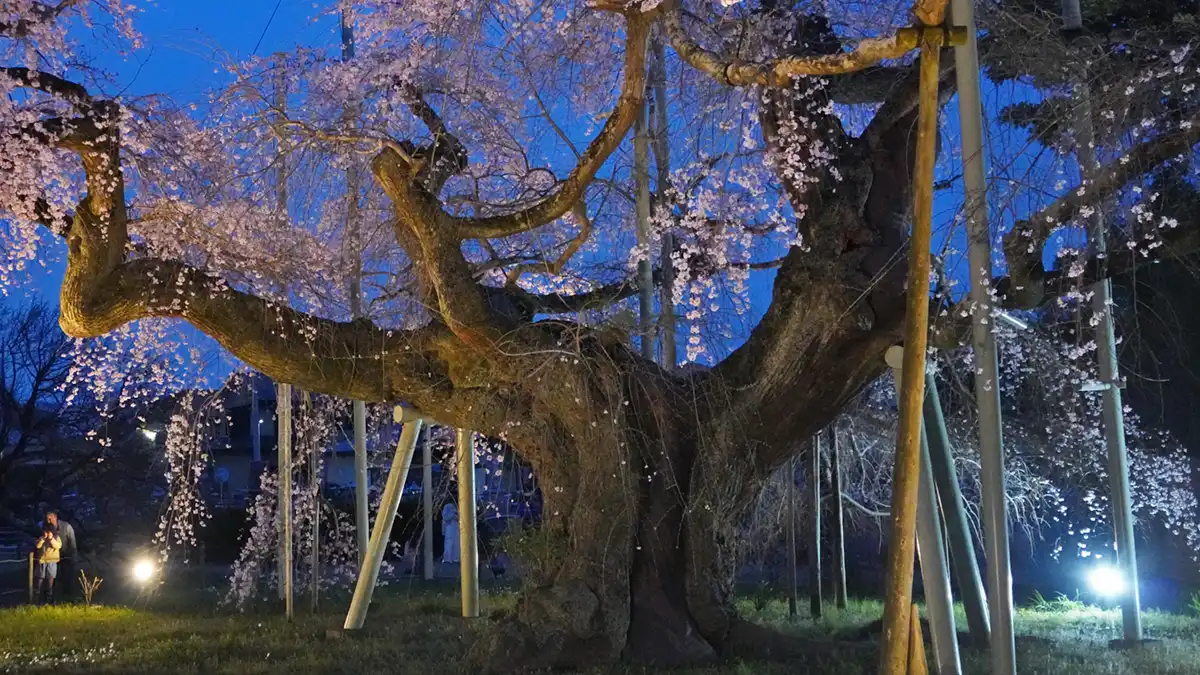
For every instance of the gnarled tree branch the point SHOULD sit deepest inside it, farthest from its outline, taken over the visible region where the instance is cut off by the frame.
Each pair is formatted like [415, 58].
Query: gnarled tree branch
[781, 71]
[571, 191]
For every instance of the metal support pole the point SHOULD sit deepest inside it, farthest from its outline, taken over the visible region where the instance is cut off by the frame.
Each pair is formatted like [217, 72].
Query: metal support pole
[359, 410]
[662, 162]
[361, 495]
[281, 205]
[902, 545]
[314, 487]
[368, 576]
[641, 177]
[427, 501]
[1106, 353]
[468, 543]
[790, 537]
[958, 529]
[935, 573]
[255, 424]
[839, 534]
[931, 551]
[286, 565]
[983, 342]
[814, 541]
[32, 598]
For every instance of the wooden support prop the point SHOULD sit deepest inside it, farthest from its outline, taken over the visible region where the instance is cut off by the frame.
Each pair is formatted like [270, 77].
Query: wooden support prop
[917, 665]
[902, 544]
[393, 490]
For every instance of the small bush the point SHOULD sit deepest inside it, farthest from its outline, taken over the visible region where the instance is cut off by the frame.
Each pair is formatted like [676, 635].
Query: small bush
[1060, 603]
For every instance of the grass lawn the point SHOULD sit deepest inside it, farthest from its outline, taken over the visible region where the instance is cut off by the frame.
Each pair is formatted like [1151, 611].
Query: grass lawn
[418, 631]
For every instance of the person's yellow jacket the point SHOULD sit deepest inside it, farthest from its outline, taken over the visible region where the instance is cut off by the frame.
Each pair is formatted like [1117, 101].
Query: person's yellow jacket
[48, 552]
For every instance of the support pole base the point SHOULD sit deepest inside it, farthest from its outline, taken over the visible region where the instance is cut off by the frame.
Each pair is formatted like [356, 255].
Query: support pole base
[1123, 644]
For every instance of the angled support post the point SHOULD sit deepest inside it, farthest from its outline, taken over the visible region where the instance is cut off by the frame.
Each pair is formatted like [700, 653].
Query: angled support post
[931, 550]
[381, 534]
[897, 606]
[958, 530]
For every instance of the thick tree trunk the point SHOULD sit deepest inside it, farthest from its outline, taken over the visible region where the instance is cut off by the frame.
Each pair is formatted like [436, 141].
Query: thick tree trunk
[635, 558]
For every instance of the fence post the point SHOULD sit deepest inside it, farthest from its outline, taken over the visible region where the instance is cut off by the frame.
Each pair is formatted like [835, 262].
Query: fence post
[31, 600]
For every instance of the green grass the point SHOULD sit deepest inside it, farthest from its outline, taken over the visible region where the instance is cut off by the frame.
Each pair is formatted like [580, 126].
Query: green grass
[415, 631]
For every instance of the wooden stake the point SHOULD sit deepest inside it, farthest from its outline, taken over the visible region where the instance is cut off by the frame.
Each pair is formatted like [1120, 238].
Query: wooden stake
[916, 647]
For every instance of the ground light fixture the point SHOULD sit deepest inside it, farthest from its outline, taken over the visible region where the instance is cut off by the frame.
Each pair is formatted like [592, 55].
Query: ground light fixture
[1106, 581]
[143, 571]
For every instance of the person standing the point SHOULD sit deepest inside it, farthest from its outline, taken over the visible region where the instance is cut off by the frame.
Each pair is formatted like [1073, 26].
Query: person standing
[450, 550]
[69, 554]
[47, 550]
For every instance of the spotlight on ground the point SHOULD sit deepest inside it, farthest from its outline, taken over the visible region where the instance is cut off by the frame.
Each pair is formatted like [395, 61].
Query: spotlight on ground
[1106, 581]
[143, 571]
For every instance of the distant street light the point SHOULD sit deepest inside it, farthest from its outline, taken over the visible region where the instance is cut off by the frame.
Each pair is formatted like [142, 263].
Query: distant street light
[150, 434]
[1106, 581]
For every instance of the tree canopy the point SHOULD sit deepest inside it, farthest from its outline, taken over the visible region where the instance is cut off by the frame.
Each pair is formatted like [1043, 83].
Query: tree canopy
[464, 171]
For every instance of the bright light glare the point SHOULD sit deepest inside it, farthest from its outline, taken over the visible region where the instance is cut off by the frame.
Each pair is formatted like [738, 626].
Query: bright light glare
[150, 434]
[1106, 581]
[143, 570]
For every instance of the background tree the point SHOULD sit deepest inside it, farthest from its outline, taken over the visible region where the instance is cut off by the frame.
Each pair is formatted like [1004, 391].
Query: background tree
[501, 243]
[34, 411]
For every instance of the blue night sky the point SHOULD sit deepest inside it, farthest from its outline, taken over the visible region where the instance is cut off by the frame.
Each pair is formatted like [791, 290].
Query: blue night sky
[187, 43]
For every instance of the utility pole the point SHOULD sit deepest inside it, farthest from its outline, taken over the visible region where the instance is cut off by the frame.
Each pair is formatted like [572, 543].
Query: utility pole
[958, 529]
[983, 343]
[468, 543]
[662, 162]
[283, 405]
[790, 537]
[1106, 349]
[283, 461]
[427, 501]
[641, 177]
[839, 535]
[814, 542]
[368, 574]
[358, 408]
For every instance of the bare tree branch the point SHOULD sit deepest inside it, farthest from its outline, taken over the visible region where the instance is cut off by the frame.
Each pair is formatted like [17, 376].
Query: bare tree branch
[1024, 244]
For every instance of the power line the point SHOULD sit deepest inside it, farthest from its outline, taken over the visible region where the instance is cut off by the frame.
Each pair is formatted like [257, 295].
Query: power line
[266, 27]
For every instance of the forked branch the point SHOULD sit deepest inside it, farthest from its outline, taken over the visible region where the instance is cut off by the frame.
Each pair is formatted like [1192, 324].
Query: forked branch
[571, 191]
